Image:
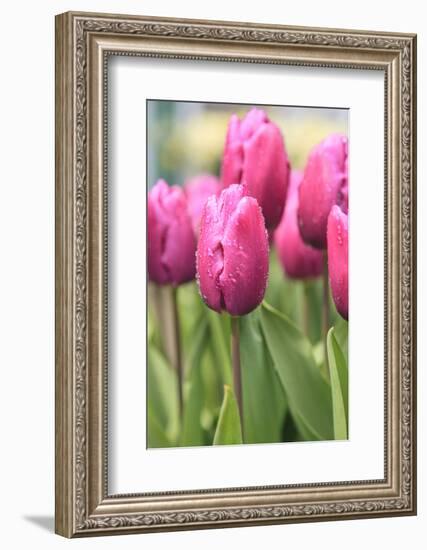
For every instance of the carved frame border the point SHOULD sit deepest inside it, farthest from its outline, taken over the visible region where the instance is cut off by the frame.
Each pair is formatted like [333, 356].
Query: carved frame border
[83, 43]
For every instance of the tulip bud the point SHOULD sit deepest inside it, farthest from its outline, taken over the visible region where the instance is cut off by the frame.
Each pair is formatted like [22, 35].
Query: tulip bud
[338, 258]
[255, 156]
[171, 241]
[198, 190]
[299, 260]
[325, 183]
[232, 254]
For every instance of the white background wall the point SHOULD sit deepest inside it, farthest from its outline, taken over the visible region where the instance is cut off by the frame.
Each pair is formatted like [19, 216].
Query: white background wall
[27, 273]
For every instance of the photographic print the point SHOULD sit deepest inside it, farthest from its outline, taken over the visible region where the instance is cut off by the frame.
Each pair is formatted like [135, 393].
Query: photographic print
[247, 260]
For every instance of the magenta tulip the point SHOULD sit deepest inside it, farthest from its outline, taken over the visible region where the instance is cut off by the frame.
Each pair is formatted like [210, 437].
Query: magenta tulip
[338, 258]
[299, 260]
[232, 254]
[171, 240]
[325, 183]
[255, 157]
[198, 190]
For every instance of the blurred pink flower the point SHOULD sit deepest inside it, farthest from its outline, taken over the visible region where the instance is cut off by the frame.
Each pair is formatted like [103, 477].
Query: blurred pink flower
[198, 190]
[255, 157]
[232, 253]
[338, 258]
[299, 260]
[324, 183]
[171, 240]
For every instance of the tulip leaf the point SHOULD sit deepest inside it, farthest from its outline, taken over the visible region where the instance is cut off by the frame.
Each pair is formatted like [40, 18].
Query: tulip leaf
[313, 305]
[220, 335]
[319, 353]
[162, 396]
[306, 433]
[308, 394]
[295, 297]
[192, 432]
[339, 385]
[212, 385]
[290, 432]
[341, 334]
[283, 293]
[228, 430]
[188, 299]
[264, 401]
[156, 436]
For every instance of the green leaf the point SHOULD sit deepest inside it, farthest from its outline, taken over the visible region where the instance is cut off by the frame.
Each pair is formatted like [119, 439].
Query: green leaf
[305, 431]
[228, 430]
[319, 353]
[308, 394]
[162, 396]
[192, 432]
[150, 327]
[212, 395]
[319, 357]
[212, 385]
[156, 436]
[291, 433]
[219, 326]
[341, 334]
[294, 298]
[339, 385]
[190, 310]
[313, 297]
[284, 293]
[264, 401]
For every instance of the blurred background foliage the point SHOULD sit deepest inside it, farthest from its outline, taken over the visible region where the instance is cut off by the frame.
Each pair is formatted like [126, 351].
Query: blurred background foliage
[186, 138]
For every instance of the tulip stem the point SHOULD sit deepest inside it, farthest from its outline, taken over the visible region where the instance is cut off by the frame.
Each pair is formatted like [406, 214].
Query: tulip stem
[235, 356]
[177, 347]
[326, 319]
[305, 310]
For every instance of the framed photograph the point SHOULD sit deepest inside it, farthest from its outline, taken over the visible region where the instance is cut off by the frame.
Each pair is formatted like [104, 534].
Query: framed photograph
[235, 274]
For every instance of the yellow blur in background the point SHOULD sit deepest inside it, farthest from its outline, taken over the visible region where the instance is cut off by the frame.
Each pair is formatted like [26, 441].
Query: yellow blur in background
[186, 138]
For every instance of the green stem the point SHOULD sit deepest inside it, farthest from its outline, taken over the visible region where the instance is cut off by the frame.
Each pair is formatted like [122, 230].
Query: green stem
[326, 319]
[237, 375]
[305, 310]
[177, 347]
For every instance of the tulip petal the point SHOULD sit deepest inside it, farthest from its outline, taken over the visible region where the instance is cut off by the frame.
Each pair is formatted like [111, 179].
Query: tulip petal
[245, 246]
[337, 234]
[251, 122]
[298, 259]
[210, 251]
[324, 184]
[255, 156]
[171, 239]
[232, 160]
[156, 271]
[232, 253]
[210, 256]
[266, 171]
[198, 190]
[179, 250]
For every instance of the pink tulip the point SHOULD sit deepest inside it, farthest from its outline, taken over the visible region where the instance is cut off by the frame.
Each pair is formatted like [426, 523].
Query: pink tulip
[255, 156]
[299, 260]
[325, 183]
[171, 241]
[232, 254]
[198, 190]
[338, 258]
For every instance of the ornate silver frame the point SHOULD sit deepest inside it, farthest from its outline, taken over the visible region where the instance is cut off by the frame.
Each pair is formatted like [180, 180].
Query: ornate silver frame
[83, 42]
